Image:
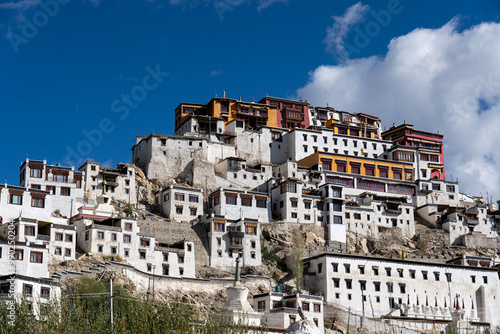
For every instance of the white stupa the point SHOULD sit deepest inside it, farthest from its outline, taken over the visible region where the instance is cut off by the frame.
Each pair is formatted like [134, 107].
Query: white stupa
[303, 327]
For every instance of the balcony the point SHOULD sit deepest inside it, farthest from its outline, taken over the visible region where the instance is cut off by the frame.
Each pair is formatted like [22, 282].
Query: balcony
[43, 237]
[253, 113]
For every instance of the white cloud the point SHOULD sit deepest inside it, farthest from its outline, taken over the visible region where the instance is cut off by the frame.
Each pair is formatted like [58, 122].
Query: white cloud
[24, 4]
[263, 4]
[341, 26]
[436, 79]
[215, 73]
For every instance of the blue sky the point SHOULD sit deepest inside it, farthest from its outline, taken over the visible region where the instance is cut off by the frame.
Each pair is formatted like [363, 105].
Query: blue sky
[70, 75]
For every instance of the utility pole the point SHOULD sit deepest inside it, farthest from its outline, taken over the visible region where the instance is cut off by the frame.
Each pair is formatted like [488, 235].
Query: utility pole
[111, 302]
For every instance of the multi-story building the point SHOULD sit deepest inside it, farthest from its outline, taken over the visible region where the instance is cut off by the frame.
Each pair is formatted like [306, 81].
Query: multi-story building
[254, 114]
[229, 239]
[428, 147]
[471, 227]
[417, 295]
[236, 204]
[59, 238]
[180, 203]
[64, 183]
[16, 201]
[290, 114]
[121, 237]
[118, 183]
[280, 310]
[359, 174]
[367, 213]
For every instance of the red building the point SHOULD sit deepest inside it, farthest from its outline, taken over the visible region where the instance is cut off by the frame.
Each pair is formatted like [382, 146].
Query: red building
[291, 114]
[429, 145]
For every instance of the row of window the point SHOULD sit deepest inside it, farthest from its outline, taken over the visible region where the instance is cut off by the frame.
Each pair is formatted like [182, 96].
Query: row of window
[67, 237]
[400, 272]
[27, 289]
[250, 229]
[179, 209]
[180, 197]
[58, 251]
[35, 257]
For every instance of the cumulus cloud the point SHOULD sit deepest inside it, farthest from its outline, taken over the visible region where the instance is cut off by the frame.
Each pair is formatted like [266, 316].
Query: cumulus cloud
[442, 80]
[341, 26]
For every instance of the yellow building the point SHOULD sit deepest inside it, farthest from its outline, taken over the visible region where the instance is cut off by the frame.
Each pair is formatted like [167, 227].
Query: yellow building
[254, 114]
[364, 173]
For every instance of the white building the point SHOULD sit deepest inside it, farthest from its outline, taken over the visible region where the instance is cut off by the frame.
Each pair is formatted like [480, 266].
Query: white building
[17, 201]
[240, 174]
[229, 239]
[417, 295]
[236, 204]
[180, 203]
[324, 206]
[118, 183]
[121, 237]
[60, 239]
[280, 310]
[367, 213]
[471, 227]
[64, 183]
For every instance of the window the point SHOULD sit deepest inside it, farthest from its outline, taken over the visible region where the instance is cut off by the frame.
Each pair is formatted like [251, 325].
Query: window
[289, 187]
[45, 292]
[261, 202]
[16, 199]
[294, 214]
[383, 172]
[337, 219]
[67, 251]
[126, 252]
[193, 198]
[485, 279]
[179, 196]
[251, 229]
[390, 287]
[58, 251]
[145, 242]
[180, 258]
[128, 226]
[231, 199]
[305, 306]
[36, 257]
[294, 202]
[219, 227]
[245, 201]
[142, 254]
[261, 305]
[320, 267]
[375, 271]
[179, 209]
[348, 284]
[412, 273]
[127, 238]
[51, 189]
[65, 191]
[361, 270]
[402, 288]
[59, 237]
[388, 271]
[397, 175]
[317, 307]
[448, 277]
[193, 211]
[307, 204]
[436, 275]
[337, 206]
[357, 216]
[355, 169]
[36, 172]
[37, 202]
[29, 230]
[362, 285]
[349, 296]
[424, 275]
[473, 278]
[165, 269]
[28, 289]
[336, 282]
[335, 267]
[400, 272]
[341, 167]
[100, 248]
[347, 268]
[100, 235]
[69, 237]
[292, 319]
[377, 286]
